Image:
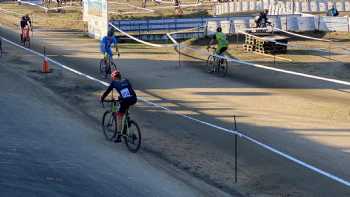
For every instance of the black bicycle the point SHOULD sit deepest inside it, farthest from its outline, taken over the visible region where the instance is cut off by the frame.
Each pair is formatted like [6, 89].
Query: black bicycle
[216, 64]
[106, 66]
[131, 132]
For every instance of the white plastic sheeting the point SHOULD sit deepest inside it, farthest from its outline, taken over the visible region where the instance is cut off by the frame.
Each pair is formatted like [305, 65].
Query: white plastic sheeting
[323, 7]
[281, 7]
[306, 23]
[340, 6]
[245, 6]
[211, 27]
[238, 6]
[252, 5]
[305, 6]
[314, 6]
[240, 25]
[333, 23]
[294, 23]
[347, 5]
[330, 5]
[226, 26]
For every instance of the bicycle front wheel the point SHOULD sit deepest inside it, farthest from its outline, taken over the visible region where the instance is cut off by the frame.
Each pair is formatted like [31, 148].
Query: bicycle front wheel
[133, 137]
[210, 63]
[113, 66]
[27, 43]
[102, 66]
[223, 67]
[109, 125]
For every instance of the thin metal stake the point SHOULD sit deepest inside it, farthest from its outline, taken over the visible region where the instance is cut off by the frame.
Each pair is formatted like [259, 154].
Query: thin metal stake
[179, 48]
[329, 46]
[236, 146]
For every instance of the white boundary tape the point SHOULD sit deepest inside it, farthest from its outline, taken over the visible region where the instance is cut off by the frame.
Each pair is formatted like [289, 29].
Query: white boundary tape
[45, 8]
[33, 4]
[128, 4]
[239, 61]
[291, 158]
[181, 6]
[138, 40]
[301, 36]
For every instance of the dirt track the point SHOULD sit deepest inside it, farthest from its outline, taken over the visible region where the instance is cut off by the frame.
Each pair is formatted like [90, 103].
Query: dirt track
[305, 118]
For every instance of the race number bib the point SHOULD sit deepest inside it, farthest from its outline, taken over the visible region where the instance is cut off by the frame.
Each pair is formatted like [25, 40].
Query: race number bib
[125, 93]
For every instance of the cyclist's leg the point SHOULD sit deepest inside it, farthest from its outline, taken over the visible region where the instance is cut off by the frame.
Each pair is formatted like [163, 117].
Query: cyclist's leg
[22, 31]
[109, 59]
[123, 106]
[27, 32]
[221, 52]
[105, 57]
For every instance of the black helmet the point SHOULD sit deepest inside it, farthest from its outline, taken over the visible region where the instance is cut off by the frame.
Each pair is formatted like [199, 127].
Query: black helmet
[219, 29]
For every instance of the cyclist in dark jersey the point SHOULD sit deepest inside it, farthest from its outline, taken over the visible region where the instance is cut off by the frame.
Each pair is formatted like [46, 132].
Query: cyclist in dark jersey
[127, 97]
[25, 22]
[262, 20]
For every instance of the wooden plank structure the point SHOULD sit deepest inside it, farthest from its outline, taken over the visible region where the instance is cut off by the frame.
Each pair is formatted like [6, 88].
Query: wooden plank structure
[272, 44]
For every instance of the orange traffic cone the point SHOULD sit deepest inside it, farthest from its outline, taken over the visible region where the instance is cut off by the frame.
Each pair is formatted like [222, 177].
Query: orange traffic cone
[45, 67]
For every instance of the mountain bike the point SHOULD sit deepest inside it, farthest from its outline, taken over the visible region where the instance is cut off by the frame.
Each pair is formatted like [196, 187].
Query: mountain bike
[106, 66]
[216, 64]
[26, 37]
[131, 132]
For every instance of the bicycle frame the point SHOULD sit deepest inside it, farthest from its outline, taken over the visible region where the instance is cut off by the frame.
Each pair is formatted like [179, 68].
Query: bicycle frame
[126, 118]
[217, 59]
[132, 139]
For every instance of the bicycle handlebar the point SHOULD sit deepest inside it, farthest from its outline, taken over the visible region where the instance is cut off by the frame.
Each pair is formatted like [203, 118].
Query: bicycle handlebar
[111, 101]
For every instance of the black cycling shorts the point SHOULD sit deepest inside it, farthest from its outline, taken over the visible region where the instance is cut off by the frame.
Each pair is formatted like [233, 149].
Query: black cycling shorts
[125, 104]
[222, 50]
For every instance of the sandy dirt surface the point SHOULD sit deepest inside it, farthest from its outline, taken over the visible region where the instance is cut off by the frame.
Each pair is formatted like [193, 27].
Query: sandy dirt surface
[132, 9]
[65, 119]
[71, 19]
[327, 59]
[305, 118]
[49, 148]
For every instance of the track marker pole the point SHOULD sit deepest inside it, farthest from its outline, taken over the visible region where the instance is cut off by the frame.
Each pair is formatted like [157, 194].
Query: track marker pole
[236, 147]
[179, 48]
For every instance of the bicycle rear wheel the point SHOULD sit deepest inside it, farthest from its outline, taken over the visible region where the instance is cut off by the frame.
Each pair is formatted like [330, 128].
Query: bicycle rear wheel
[133, 137]
[223, 67]
[210, 63]
[109, 125]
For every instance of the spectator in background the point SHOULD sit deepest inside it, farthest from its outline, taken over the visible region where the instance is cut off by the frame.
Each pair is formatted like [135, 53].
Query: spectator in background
[333, 11]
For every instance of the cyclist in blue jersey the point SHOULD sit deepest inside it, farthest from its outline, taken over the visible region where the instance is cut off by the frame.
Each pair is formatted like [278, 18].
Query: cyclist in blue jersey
[106, 45]
[127, 97]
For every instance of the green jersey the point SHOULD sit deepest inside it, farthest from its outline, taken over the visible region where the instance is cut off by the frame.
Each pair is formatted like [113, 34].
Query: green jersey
[221, 40]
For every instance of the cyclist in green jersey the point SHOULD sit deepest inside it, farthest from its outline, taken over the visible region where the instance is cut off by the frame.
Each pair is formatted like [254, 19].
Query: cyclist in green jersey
[221, 41]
